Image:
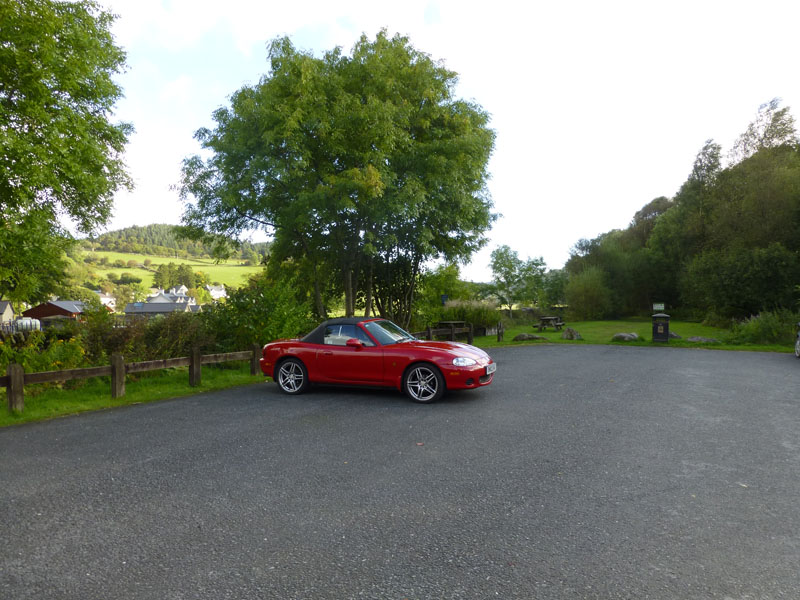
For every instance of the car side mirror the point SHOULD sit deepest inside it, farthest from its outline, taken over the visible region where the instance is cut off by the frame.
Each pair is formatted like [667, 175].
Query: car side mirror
[354, 343]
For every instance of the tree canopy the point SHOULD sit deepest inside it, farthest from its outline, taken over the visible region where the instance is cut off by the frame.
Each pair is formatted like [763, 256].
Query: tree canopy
[515, 279]
[61, 154]
[363, 167]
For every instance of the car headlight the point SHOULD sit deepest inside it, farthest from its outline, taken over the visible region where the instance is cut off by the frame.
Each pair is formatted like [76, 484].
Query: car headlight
[463, 361]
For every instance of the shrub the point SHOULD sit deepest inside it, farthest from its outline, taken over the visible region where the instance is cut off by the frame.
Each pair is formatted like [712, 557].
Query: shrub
[38, 351]
[175, 335]
[480, 314]
[101, 338]
[257, 313]
[768, 327]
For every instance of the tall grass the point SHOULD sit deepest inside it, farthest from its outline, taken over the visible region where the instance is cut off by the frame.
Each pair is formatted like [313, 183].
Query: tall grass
[768, 327]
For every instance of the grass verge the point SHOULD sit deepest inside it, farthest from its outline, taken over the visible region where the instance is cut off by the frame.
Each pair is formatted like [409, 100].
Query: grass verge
[601, 332]
[95, 393]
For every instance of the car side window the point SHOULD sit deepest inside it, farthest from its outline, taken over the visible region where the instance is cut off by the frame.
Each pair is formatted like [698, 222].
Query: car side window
[360, 334]
[337, 335]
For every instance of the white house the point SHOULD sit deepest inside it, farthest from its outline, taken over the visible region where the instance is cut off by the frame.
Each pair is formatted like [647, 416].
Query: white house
[6, 312]
[107, 300]
[163, 297]
[217, 292]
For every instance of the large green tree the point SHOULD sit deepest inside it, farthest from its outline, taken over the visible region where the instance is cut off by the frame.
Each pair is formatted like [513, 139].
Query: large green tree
[60, 153]
[363, 167]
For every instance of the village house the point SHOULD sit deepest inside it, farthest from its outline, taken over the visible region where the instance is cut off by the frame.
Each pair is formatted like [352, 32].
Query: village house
[55, 311]
[217, 292]
[107, 300]
[150, 309]
[6, 312]
[169, 297]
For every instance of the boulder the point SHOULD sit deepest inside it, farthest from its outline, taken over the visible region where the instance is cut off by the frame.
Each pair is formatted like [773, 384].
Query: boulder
[624, 337]
[570, 334]
[524, 337]
[703, 340]
[674, 336]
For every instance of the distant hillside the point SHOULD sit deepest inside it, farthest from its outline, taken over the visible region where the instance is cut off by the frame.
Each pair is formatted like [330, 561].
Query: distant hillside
[162, 240]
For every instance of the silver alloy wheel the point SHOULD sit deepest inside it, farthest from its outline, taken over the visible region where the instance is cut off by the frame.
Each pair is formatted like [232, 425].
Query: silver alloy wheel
[797, 348]
[423, 384]
[291, 376]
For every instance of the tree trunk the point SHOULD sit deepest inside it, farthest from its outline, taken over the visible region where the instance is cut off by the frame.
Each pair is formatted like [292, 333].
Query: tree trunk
[349, 310]
[368, 291]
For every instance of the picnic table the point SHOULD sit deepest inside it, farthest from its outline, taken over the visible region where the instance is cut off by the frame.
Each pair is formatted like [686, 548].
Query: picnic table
[554, 322]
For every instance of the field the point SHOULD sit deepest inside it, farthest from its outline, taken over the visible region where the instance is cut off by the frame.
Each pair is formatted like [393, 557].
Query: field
[232, 273]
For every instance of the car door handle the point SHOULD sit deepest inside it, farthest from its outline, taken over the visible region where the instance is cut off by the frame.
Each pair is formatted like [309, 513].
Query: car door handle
[327, 353]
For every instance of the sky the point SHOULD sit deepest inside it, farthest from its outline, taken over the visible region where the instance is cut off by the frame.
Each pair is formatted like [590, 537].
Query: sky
[598, 107]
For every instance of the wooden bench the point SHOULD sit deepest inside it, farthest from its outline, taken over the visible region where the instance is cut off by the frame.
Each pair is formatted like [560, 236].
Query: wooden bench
[545, 322]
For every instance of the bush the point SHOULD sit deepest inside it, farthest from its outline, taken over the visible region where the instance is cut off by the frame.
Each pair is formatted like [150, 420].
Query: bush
[39, 351]
[480, 314]
[768, 327]
[175, 335]
[101, 338]
[261, 311]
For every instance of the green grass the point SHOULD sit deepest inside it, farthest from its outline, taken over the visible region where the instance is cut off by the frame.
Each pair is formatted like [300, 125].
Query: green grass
[232, 273]
[601, 332]
[95, 393]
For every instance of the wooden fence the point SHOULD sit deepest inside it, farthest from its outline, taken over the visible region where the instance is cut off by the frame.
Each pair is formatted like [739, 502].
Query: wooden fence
[451, 332]
[16, 379]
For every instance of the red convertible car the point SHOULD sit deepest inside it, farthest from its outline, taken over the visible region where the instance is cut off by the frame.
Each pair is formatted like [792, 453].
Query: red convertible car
[375, 352]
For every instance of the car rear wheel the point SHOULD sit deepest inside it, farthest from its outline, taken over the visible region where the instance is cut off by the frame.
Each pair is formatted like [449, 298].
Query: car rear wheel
[292, 376]
[797, 348]
[423, 383]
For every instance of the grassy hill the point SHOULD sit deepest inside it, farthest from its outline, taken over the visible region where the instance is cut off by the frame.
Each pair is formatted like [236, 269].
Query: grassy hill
[232, 273]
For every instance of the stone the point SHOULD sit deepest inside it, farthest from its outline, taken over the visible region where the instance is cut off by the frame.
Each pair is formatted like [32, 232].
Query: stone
[570, 334]
[703, 340]
[524, 337]
[624, 337]
[674, 336]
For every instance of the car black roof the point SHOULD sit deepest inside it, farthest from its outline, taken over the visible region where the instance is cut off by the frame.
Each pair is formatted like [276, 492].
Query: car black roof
[317, 336]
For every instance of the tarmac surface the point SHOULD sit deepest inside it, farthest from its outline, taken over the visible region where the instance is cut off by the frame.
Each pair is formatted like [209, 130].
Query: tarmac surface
[581, 472]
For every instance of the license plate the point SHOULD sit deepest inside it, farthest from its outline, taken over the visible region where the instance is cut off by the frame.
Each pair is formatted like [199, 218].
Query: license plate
[491, 368]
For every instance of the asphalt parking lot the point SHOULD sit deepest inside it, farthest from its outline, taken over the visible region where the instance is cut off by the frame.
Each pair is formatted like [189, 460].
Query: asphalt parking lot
[581, 472]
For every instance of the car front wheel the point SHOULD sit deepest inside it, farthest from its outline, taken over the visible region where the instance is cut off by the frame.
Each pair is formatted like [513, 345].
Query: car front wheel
[423, 383]
[292, 376]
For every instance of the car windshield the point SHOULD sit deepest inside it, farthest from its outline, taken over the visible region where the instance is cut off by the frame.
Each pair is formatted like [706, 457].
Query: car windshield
[387, 332]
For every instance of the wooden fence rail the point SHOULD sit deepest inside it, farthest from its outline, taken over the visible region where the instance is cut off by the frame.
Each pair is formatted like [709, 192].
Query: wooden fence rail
[16, 379]
[451, 332]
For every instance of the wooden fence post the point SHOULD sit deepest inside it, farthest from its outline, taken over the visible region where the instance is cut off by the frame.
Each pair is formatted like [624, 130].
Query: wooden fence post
[470, 334]
[16, 387]
[195, 362]
[429, 333]
[254, 365]
[117, 376]
[500, 331]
